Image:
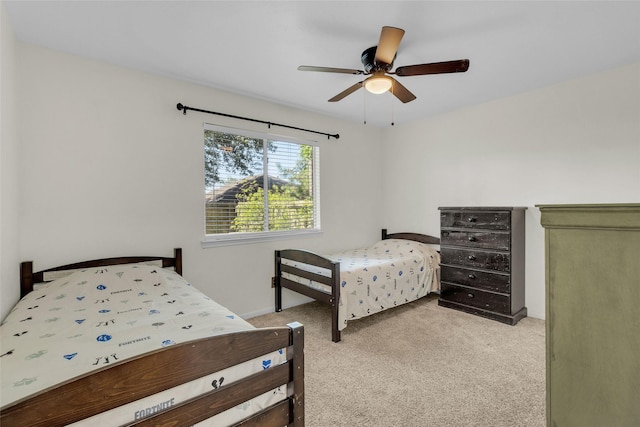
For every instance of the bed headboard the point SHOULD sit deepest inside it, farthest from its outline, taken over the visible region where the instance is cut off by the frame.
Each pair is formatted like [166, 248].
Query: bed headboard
[422, 238]
[28, 277]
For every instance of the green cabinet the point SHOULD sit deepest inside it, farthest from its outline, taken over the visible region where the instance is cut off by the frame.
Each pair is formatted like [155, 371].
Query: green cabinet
[592, 314]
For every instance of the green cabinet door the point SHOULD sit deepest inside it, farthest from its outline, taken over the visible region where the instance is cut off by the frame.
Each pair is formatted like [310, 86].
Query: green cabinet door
[593, 314]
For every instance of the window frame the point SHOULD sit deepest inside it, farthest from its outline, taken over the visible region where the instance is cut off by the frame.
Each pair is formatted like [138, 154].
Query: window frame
[215, 240]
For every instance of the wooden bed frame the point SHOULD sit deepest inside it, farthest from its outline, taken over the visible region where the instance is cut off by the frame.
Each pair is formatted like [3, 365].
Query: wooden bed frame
[145, 375]
[333, 281]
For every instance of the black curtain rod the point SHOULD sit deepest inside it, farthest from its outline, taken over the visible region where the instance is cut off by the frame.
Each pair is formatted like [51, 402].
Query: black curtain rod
[184, 109]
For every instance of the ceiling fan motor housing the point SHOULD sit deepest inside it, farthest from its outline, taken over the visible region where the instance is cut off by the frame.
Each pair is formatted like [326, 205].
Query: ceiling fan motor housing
[368, 60]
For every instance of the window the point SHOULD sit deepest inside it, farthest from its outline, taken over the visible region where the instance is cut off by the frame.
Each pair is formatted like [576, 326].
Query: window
[258, 186]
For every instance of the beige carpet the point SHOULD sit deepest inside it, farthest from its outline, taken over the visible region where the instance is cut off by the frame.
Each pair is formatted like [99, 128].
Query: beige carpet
[420, 365]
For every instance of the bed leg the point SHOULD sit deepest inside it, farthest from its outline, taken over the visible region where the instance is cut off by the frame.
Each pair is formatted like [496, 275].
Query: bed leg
[297, 331]
[276, 283]
[26, 278]
[335, 332]
[335, 335]
[335, 302]
[278, 299]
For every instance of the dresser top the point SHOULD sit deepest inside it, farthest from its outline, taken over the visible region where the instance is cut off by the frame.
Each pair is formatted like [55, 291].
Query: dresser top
[483, 208]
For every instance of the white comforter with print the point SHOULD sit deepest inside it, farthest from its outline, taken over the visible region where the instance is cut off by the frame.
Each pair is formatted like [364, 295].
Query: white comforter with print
[389, 273]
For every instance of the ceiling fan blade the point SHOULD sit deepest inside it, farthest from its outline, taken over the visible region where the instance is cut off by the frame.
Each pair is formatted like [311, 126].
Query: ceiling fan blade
[346, 92]
[459, 66]
[329, 69]
[401, 92]
[390, 38]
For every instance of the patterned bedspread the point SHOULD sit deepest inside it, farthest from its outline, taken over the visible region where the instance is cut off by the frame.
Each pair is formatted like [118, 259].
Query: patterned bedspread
[389, 273]
[98, 316]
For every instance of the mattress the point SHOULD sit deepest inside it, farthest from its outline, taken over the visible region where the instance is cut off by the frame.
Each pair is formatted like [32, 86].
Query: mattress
[99, 316]
[389, 273]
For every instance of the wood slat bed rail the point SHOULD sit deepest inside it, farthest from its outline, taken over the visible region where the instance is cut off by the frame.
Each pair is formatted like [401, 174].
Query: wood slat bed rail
[307, 257]
[326, 280]
[325, 297]
[276, 416]
[416, 237]
[133, 379]
[212, 403]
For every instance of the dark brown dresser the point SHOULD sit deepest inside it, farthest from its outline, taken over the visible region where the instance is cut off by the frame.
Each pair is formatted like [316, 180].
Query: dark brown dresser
[482, 261]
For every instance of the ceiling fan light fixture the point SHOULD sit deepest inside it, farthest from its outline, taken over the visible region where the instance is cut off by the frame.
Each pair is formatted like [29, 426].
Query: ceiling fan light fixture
[378, 84]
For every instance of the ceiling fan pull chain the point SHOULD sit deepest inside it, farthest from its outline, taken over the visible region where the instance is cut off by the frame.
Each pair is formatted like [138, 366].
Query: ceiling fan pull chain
[364, 106]
[392, 110]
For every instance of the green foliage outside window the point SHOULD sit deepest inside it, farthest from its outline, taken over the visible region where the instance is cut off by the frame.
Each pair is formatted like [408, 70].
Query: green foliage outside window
[286, 210]
[233, 160]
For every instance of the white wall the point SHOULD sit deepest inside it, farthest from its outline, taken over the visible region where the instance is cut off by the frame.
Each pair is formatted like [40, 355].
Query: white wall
[576, 142]
[110, 167]
[9, 206]
[113, 168]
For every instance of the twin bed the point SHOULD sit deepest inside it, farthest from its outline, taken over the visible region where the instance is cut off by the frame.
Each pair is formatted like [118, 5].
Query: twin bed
[128, 341]
[400, 268]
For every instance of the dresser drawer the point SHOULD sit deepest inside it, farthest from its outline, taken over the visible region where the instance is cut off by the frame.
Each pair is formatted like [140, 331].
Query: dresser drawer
[476, 298]
[478, 279]
[476, 239]
[476, 259]
[470, 219]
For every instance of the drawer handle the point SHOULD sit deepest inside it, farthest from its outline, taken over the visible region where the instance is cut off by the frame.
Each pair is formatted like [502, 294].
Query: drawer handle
[472, 219]
[470, 295]
[472, 276]
[472, 239]
[471, 257]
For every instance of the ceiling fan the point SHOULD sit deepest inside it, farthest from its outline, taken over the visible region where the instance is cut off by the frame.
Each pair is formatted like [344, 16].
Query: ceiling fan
[378, 61]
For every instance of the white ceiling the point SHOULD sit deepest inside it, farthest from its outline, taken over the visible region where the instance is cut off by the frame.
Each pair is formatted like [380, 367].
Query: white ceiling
[254, 48]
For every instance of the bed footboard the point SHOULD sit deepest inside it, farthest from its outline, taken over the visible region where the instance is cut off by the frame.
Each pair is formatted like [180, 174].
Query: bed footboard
[302, 265]
[145, 375]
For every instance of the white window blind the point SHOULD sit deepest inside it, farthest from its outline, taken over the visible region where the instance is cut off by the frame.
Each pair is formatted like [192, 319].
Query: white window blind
[258, 185]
